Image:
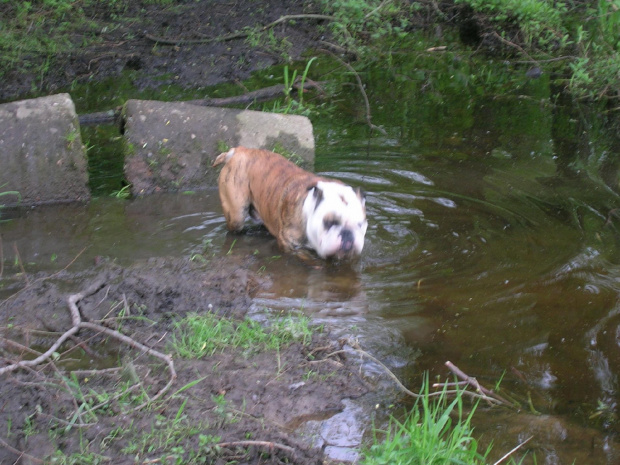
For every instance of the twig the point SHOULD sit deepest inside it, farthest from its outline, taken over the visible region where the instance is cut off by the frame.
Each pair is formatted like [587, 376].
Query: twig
[512, 44]
[268, 444]
[79, 324]
[260, 95]
[513, 451]
[133, 343]
[19, 453]
[21, 264]
[485, 393]
[356, 348]
[1, 257]
[256, 96]
[381, 5]
[360, 85]
[236, 35]
[44, 278]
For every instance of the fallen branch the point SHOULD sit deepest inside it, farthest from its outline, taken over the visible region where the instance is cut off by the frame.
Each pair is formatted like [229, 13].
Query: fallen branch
[267, 444]
[114, 117]
[513, 451]
[78, 324]
[235, 35]
[360, 85]
[45, 278]
[492, 398]
[20, 454]
[485, 393]
[260, 95]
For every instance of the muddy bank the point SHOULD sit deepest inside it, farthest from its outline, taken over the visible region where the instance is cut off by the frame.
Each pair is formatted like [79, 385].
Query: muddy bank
[85, 401]
[124, 41]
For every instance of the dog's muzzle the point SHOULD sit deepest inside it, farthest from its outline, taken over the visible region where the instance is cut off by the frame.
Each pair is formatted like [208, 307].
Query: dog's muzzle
[346, 240]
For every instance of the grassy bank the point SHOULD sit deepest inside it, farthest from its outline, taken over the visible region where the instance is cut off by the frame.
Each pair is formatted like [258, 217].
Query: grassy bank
[576, 42]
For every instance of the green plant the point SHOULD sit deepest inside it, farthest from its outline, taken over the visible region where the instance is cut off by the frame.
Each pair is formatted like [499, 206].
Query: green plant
[203, 335]
[587, 32]
[11, 193]
[123, 193]
[290, 105]
[428, 435]
[357, 23]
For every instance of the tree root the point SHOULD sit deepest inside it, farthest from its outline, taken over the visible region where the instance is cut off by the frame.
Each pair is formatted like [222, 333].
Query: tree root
[79, 324]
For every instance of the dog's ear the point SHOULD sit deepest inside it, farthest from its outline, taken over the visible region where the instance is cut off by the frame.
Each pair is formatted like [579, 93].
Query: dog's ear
[317, 194]
[360, 194]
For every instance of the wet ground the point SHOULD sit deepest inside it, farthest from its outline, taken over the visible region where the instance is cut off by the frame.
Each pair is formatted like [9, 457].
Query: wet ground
[126, 41]
[492, 242]
[83, 402]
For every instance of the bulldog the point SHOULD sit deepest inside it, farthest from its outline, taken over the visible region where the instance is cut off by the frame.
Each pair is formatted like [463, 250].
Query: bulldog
[302, 210]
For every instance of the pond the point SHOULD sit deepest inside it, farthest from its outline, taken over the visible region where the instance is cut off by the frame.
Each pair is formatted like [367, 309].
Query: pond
[492, 243]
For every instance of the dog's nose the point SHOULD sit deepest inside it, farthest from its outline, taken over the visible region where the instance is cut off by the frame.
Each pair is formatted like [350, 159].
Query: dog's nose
[347, 240]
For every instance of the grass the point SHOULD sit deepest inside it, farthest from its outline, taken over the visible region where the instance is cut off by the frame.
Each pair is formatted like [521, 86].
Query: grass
[437, 431]
[203, 335]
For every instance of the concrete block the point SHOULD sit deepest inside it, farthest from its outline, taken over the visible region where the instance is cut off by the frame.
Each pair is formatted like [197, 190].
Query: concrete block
[41, 152]
[171, 145]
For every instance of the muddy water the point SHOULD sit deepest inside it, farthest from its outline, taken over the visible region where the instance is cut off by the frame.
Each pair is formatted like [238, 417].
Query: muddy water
[493, 243]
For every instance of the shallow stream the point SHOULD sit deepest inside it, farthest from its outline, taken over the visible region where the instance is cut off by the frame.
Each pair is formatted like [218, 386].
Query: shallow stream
[493, 242]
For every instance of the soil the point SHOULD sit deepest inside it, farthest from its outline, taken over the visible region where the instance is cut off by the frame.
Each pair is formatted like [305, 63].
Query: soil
[239, 395]
[126, 42]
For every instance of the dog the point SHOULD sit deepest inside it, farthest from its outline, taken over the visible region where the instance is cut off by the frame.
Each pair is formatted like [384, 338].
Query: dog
[300, 209]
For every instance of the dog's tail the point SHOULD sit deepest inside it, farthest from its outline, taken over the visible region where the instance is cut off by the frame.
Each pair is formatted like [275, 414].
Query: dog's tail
[223, 157]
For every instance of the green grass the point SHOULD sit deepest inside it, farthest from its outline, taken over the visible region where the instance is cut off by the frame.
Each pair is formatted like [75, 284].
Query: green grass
[437, 431]
[203, 335]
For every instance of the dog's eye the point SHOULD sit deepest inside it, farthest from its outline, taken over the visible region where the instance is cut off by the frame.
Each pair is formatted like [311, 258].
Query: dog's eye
[330, 223]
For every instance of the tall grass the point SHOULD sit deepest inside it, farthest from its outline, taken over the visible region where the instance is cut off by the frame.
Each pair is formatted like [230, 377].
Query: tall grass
[437, 431]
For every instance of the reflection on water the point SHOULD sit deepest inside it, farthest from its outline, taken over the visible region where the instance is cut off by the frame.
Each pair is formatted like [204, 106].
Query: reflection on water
[488, 245]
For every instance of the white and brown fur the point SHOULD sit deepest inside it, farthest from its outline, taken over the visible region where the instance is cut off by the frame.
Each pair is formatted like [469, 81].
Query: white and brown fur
[300, 209]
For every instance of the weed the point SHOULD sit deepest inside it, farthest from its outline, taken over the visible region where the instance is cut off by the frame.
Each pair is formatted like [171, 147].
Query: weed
[222, 146]
[202, 335]
[358, 22]
[428, 435]
[231, 247]
[123, 193]
[291, 105]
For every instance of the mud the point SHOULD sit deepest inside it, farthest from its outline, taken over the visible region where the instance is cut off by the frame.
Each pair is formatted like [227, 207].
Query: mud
[80, 406]
[50, 410]
[125, 42]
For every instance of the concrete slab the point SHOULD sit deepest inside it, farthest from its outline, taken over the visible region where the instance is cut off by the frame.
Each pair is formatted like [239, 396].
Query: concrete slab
[41, 152]
[171, 145]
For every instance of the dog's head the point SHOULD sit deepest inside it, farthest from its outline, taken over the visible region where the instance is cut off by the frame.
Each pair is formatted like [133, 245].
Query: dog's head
[335, 219]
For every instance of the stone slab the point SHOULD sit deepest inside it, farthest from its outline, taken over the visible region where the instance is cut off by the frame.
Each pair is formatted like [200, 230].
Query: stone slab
[170, 146]
[41, 153]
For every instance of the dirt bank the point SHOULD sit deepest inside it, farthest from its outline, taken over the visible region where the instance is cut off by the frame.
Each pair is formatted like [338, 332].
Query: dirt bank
[126, 39]
[95, 399]
[238, 404]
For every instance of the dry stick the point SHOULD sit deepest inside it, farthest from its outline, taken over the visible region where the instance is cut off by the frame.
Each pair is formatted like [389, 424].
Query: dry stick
[360, 85]
[19, 453]
[513, 451]
[78, 324]
[235, 35]
[476, 395]
[45, 278]
[268, 444]
[260, 95]
[133, 343]
[387, 370]
[512, 44]
[485, 393]
[21, 264]
[256, 96]
[1, 257]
